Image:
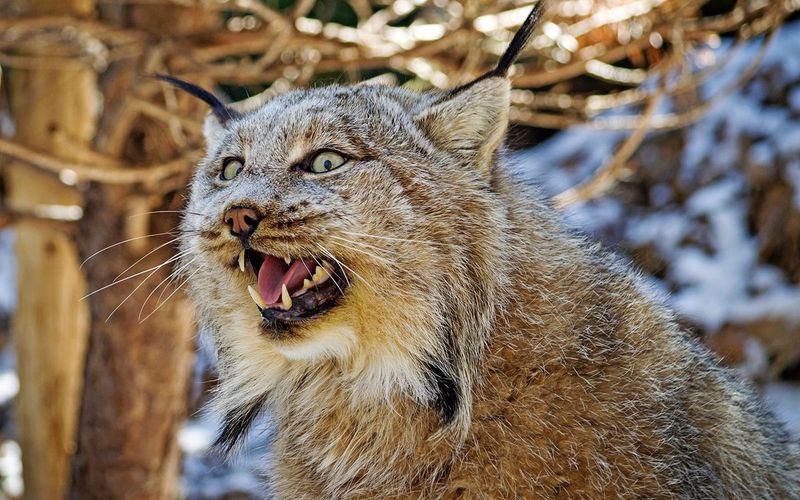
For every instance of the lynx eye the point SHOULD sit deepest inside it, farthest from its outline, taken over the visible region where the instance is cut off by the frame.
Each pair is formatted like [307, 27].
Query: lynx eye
[231, 168]
[326, 161]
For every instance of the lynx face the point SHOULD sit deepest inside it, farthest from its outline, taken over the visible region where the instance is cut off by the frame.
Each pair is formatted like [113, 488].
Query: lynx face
[335, 208]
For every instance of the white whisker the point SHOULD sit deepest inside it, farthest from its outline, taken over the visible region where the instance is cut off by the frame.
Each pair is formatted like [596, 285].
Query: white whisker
[334, 281]
[116, 282]
[144, 257]
[402, 240]
[174, 276]
[348, 268]
[170, 277]
[170, 295]
[137, 288]
[123, 242]
[164, 212]
[381, 259]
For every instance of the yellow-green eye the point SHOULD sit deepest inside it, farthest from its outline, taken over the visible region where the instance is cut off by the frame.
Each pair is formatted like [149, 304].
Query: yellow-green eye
[231, 168]
[326, 161]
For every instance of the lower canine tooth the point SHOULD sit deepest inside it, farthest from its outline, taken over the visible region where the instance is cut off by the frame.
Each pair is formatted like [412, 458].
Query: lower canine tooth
[256, 297]
[241, 261]
[286, 300]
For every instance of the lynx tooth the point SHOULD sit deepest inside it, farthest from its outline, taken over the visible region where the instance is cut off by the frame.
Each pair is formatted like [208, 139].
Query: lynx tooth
[288, 260]
[307, 284]
[320, 275]
[286, 300]
[241, 260]
[256, 297]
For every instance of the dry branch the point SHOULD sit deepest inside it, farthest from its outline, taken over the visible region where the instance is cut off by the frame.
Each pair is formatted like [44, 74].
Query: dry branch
[71, 173]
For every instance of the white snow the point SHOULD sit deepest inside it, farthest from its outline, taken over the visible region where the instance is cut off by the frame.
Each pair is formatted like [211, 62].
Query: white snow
[713, 267]
[784, 400]
[8, 272]
[11, 468]
[793, 176]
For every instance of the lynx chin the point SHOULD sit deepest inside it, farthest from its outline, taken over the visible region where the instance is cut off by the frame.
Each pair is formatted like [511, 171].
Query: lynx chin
[419, 323]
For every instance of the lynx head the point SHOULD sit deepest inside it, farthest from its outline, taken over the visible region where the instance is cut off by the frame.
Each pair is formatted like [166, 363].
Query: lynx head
[355, 225]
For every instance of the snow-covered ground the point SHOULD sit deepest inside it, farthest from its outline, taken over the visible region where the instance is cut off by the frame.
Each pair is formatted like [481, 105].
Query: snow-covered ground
[718, 278]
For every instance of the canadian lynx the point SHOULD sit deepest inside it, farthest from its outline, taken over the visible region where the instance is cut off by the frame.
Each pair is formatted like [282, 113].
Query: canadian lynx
[425, 327]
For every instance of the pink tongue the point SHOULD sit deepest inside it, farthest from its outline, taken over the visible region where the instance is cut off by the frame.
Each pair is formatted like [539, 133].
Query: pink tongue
[274, 273]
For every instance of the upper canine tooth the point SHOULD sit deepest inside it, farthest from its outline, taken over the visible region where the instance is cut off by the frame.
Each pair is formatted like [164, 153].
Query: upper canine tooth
[287, 260]
[256, 297]
[241, 260]
[320, 275]
[286, 300]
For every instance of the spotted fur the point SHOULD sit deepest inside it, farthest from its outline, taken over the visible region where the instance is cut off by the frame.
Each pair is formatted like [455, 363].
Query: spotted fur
[481, 350]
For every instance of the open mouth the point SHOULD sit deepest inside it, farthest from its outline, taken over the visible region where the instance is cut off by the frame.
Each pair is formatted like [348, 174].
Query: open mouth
[291, 290]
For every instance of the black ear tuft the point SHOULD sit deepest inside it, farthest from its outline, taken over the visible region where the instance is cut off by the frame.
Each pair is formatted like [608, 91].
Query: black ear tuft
[520, 40]
[218, 108]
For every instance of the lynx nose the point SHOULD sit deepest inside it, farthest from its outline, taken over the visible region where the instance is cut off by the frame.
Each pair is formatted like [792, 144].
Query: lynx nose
[242, 221]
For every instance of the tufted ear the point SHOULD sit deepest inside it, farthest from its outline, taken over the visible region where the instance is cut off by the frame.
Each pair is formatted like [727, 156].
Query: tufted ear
[470, 121]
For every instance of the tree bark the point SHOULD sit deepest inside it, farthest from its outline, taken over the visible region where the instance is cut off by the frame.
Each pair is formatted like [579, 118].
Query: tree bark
[54, 110]
[137, 369]
[134, 399]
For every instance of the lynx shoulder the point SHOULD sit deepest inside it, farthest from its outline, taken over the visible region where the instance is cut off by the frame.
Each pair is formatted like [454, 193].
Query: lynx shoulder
[420, 325]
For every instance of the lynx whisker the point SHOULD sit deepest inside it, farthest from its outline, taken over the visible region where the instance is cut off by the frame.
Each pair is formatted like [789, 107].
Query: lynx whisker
[143, 257]
[347, 280]
[169, 278]
[146, 278]
[166, 233]
[177, 289]
[117, 282]
[401, 240]
[350, 247]
[176, 273]
[140, 214]
[339, 262]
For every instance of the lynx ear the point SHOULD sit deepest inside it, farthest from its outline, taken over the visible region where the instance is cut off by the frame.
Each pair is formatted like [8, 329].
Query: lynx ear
[470, 121]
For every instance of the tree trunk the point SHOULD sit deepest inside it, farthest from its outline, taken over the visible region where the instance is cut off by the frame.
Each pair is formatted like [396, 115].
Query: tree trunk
[137, 372]
[137, 369]
[54, 109]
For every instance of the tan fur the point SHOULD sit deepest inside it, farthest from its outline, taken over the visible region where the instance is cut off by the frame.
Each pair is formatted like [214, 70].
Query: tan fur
[564, 379]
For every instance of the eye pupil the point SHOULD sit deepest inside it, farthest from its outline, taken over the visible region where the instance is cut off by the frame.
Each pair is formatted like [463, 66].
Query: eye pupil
[325, 162]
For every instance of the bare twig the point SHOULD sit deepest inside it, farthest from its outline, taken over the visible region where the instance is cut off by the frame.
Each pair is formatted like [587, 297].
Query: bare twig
[98, 173]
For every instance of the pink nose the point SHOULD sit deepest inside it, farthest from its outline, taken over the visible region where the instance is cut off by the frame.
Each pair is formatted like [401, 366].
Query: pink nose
[242, 221]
